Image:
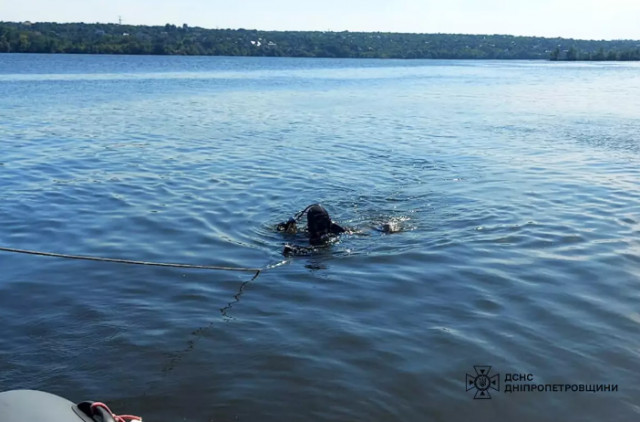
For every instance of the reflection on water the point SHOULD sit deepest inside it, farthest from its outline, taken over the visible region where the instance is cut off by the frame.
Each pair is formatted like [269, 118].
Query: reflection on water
[494, 208]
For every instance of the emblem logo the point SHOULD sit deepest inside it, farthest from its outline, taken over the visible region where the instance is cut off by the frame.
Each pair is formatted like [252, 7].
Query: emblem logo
[482, 382]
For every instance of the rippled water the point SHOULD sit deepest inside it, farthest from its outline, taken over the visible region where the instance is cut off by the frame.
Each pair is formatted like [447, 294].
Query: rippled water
[515, 183]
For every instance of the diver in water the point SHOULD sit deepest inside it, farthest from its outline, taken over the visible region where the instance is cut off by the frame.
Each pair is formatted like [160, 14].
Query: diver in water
[319, 226]
[322, 230]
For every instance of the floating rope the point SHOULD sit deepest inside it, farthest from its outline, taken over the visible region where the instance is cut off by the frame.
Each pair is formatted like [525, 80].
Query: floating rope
[129, 261]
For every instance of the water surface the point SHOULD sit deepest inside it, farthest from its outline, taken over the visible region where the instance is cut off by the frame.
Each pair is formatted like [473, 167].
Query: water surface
[516, 184]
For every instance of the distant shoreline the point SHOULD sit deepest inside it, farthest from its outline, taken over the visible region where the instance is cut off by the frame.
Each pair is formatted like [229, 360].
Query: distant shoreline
[82, 38]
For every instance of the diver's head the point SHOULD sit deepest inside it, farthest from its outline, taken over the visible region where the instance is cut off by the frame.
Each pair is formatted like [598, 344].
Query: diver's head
[318, 224]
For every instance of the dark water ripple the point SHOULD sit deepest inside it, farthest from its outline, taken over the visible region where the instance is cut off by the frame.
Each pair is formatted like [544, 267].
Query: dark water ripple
[515, 184]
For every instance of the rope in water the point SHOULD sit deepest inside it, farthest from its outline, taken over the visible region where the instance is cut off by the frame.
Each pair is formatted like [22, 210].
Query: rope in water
[129, 261]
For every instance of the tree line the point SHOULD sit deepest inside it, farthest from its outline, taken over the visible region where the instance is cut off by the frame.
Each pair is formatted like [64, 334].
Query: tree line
[574, 54]
[104, 38]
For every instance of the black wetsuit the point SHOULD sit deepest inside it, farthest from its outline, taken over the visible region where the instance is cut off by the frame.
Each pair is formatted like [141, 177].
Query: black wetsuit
[320, 228]
[320, 225]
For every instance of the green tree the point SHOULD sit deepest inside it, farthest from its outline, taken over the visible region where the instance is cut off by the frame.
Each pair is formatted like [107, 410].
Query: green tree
[5, 47]
[572, 54]
[23, 43]
[599, 55]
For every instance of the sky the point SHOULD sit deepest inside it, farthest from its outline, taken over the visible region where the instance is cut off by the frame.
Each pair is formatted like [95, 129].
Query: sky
[584, 19]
